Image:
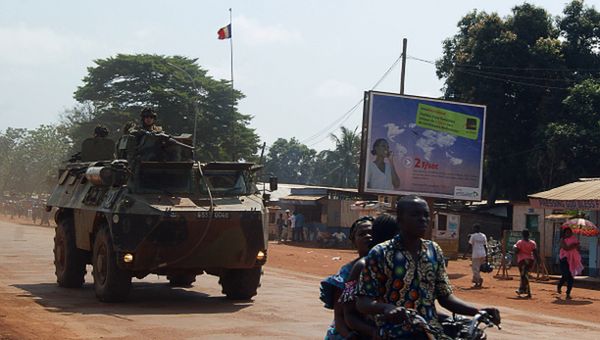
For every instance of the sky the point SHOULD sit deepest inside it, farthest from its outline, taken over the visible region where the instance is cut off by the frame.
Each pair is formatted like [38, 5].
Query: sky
[302, 65]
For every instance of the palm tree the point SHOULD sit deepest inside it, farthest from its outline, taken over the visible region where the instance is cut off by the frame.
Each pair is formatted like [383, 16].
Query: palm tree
[346, 157]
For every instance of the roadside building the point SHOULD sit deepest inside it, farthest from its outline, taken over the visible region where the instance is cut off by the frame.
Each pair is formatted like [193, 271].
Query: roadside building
[556, 205]
[453, 223]
[325, 209]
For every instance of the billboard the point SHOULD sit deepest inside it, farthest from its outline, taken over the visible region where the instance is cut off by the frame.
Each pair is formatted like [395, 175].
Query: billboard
[423, 146]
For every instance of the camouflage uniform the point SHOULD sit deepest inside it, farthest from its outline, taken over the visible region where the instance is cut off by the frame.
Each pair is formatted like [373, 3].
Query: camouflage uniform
[149, 112]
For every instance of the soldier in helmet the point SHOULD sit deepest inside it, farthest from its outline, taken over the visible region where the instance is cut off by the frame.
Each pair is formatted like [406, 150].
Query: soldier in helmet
[148, 117]
[100, 131]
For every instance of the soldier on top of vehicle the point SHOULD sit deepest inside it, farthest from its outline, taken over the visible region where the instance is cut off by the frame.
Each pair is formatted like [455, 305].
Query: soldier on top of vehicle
[148, 142]
[148, 118]
[100, 131]
[97, 148]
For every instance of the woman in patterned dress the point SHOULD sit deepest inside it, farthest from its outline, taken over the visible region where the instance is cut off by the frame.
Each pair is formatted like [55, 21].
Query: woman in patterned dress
[332, 286]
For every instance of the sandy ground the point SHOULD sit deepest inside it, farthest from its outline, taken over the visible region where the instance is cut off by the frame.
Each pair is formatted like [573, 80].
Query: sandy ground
[287, 305]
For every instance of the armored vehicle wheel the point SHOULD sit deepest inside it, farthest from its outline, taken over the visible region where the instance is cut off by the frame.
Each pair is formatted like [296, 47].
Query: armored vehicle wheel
[240, 284]
[111, 283]
[181, 280]
[69, 261]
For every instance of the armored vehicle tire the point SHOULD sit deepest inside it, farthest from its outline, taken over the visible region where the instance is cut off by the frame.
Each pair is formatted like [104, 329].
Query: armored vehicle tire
[111, 283]
[69, 261]
[181, 280]
[240, 284]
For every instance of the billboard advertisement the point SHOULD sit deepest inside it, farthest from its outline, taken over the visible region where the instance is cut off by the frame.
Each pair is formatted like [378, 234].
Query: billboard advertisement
[423, 146]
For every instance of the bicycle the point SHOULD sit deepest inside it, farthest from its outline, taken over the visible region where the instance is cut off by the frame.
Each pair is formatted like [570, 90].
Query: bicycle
[495, 254]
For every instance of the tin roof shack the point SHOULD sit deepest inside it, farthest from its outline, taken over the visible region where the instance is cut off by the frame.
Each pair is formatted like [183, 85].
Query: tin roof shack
[577, 198]
[273, 206]
[325, 208]
[453, 223]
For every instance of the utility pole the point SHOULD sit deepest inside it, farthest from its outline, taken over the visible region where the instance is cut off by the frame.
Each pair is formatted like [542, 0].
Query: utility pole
[429, 200]
[403, 70]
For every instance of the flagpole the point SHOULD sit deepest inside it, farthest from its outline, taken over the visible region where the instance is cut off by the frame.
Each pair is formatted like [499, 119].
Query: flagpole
[231, 48]
[234, 137]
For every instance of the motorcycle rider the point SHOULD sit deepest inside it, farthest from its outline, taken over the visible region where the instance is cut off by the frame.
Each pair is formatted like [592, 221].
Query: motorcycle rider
[408, 272]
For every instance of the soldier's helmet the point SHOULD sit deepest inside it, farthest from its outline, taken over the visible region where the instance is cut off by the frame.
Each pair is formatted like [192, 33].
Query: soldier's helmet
[100, 131]
[148, 112]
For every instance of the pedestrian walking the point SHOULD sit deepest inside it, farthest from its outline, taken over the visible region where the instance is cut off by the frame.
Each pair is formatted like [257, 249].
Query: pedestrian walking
[292, 223]
[478, 245]
[280, 227]
[526, 251]
[288, 226]
[299, 224]
[570, 260]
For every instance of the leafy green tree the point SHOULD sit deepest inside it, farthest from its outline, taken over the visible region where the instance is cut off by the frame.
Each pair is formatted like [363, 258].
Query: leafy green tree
[117, 88]
[291, 161]
[326, 169]
[11, 159]
[347, 156]
[580, 27]
[31, 158]
[294, 162]
[521, 67]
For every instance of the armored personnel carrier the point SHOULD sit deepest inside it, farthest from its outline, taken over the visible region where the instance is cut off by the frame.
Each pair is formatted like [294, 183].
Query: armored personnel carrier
[153, 210]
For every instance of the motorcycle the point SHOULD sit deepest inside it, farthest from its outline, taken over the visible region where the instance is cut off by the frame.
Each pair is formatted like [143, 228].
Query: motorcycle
[455, 327]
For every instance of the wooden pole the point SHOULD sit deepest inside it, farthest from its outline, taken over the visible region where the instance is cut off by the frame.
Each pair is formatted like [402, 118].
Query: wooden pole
[403, 70]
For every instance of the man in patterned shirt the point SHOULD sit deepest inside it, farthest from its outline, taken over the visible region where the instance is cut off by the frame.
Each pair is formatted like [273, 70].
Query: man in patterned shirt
[408, 272]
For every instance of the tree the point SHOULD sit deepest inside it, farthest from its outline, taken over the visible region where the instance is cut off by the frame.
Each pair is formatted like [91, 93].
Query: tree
[117, 88]
[11, 158]
[521, 67]
[291, 161]
[326, 169]
[580, 27]
[347, 156]
[31, 158]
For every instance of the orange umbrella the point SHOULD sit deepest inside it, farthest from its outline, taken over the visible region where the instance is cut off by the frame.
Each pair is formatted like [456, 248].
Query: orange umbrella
[581, 226]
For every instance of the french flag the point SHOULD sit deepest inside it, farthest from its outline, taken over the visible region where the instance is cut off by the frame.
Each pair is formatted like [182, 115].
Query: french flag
[224, 32]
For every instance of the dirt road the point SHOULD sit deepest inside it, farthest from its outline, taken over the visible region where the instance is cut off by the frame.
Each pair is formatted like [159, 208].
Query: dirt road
[287, 306]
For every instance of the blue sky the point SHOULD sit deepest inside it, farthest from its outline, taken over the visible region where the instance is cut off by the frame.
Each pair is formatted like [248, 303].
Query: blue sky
[301, 64]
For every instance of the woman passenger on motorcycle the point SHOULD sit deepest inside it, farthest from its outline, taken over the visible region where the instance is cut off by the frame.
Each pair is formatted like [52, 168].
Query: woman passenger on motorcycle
[363, 326]
[332, 287]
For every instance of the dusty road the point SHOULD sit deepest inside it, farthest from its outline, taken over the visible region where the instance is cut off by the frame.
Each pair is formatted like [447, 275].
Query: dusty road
[287, 306]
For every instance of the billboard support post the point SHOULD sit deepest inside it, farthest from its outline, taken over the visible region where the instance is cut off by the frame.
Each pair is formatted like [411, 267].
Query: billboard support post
[403, 70]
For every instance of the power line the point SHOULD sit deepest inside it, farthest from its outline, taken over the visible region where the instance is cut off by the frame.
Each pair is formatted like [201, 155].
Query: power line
[475, 74]
[498, 76]
[343, 118]
[328, 127]
[520, 77]
[511, 67]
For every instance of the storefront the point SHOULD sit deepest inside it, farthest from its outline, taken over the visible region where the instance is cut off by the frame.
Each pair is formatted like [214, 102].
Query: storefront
[558, 204]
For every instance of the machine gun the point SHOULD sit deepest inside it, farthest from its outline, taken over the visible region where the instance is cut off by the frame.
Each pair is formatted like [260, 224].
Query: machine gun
[168, 139]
